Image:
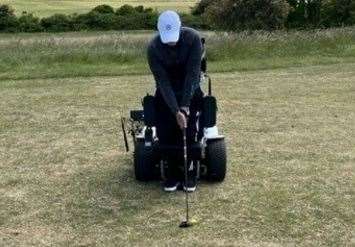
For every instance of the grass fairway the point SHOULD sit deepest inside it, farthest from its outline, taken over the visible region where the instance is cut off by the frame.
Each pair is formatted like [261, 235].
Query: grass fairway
[66, 181]
[44, 8]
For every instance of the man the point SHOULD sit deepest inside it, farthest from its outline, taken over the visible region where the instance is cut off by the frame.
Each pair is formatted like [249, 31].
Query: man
[174, 57]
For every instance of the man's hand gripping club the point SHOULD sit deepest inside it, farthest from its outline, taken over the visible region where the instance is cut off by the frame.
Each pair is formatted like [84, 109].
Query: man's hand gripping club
[181, 117]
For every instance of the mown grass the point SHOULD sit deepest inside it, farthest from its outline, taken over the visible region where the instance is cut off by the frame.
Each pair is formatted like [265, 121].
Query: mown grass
[120, 53]
[287, 108]
[66, 181]
[43, 8]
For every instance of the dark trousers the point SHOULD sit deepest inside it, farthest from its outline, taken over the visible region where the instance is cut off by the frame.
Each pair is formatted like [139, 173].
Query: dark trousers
[168, 131]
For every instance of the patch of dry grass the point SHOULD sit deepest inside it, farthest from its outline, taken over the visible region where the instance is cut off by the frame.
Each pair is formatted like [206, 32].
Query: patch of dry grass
[65, 179]
[43, 8]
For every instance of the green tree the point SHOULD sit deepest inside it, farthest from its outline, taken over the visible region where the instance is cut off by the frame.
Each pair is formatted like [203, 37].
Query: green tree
[298, 14]
[103, 9]
[338, 13]
[8, 20]
[57, 23]
[201, 7]
[126, 10]
[29, 23]
[248, 15]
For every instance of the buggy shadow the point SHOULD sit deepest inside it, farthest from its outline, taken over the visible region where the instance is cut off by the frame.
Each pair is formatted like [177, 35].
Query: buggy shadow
[150, 156]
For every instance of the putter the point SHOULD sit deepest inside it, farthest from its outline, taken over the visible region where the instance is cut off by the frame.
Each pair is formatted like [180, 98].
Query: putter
[187, 222]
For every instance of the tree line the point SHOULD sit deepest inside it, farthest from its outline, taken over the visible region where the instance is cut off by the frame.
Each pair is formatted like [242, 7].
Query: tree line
[231, 15]
[276, 14]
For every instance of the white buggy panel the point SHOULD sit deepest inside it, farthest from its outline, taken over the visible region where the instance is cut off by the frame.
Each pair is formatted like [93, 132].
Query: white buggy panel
[211, 133]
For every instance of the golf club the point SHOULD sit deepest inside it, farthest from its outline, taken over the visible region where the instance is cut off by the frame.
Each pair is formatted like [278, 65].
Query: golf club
[185, 223]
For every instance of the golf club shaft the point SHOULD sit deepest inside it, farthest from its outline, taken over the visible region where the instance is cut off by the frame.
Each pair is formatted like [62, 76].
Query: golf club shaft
[186, 178]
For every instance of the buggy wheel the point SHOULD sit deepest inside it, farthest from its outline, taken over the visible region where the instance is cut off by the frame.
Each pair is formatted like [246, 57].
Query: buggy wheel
[143, 162]
[216, 160]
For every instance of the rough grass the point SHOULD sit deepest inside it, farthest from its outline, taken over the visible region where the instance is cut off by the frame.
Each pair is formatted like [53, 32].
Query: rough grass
[29, 56]
[66, 181]
[44, 8]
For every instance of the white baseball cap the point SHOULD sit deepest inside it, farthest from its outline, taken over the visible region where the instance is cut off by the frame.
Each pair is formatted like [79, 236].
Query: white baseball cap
[169, 25]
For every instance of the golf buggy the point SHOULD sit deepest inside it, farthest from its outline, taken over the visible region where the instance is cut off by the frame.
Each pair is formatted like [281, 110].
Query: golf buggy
[150, 156]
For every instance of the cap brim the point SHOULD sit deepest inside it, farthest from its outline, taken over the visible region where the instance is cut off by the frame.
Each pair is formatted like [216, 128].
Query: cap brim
[168, 37]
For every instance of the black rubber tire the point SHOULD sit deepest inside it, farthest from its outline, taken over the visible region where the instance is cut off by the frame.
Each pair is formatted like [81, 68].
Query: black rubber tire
[143, 162]
[216, 160]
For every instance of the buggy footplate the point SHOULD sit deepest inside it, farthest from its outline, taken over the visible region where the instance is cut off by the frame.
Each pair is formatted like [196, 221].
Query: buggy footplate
[194, 151]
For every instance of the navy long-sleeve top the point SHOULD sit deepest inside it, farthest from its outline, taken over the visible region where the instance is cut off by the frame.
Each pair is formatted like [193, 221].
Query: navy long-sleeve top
[177, 69]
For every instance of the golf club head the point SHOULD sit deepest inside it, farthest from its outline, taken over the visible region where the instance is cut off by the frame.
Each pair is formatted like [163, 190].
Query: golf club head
[185, 224]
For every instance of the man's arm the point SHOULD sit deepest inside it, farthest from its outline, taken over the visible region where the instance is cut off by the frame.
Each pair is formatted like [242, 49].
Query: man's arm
[193, 69]
[162, 80]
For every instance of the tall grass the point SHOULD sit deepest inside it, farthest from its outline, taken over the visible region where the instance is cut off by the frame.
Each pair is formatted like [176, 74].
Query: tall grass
[263, 44]
[119, 53]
